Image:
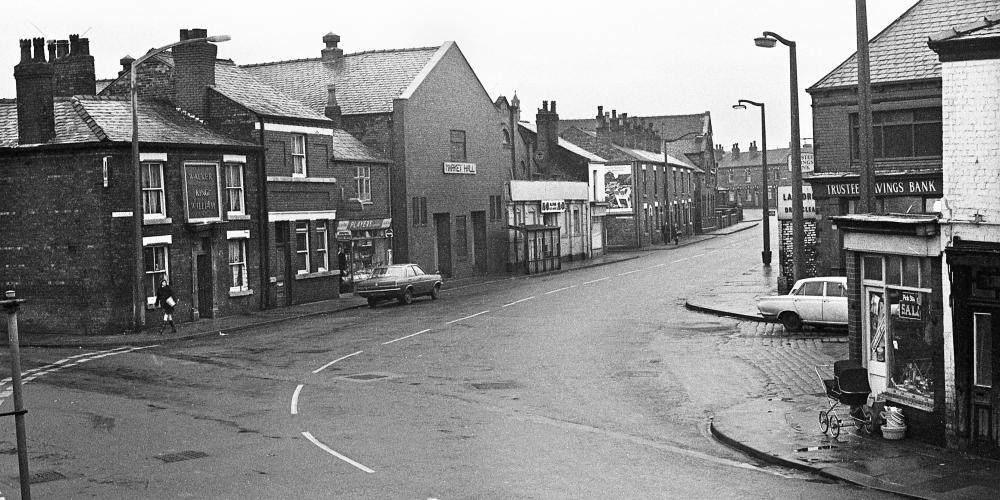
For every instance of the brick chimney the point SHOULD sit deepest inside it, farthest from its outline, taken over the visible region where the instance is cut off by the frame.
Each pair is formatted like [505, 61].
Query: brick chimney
[333, 111]
[547, 122]
[720, 152]
[33, 80]
[736, 150]
[126, 63]
[194, 71]
[602, 129]
[331, 53]
[73, 67]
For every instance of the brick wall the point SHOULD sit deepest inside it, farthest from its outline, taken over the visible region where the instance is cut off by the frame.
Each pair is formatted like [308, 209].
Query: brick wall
[374, 131]
[786, 278]
[154, 81]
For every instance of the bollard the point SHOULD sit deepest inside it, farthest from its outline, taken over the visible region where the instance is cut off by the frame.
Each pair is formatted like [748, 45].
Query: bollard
[10, 305]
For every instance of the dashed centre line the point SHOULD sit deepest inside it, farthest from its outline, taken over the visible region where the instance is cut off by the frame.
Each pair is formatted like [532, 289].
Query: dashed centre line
[406, 337]
[467, 317]
[336, 360]
[629, 272]
[557, 290]
[595, 281]
[518, 301]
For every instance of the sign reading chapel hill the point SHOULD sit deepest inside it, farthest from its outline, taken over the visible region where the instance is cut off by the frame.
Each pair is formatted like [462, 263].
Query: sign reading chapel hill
[201, 192]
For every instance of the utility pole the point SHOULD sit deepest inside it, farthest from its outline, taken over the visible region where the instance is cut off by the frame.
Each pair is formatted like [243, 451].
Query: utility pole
[866, 179]
[10, 305]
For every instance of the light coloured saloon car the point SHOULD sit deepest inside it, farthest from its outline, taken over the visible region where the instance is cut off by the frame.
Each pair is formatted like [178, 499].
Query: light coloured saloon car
[812, 301]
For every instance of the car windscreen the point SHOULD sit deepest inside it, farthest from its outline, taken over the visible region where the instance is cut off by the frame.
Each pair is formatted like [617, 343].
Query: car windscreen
[387, 272]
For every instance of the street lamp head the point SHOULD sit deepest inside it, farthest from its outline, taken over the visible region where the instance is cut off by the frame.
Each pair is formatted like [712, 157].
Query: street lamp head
[739, 106]
[219, 38]
[764, 41]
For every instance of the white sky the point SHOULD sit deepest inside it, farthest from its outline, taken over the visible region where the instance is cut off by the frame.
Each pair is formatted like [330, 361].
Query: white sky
[642, 58]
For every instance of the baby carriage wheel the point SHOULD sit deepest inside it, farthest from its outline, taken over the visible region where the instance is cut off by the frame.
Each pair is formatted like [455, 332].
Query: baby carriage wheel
[835, 426]
[824, 422]
[869, 422]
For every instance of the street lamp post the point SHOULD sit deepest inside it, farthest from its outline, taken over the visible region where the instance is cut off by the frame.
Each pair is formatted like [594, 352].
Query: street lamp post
[798, 230]
[765, 254]
[138, 297]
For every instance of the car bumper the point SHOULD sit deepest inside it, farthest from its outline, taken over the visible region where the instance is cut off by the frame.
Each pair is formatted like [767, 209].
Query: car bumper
[380, 293]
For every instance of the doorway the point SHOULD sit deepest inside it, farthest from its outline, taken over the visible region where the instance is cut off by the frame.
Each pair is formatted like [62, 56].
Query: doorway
[206, 297]
[984, 403]
[442, 224]
[479, 240]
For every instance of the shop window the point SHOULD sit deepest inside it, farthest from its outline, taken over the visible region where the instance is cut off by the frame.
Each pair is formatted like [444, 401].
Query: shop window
[461, 237]
[322, 256]
[550, 219]
[154, 205]
[872, 268]
[298, 155]
[457, 140]
[234, 189]
[157, 267]
[982, 346]
[911, 350]
[363, 183]
[302, 248]
[238, 265]
[904, 133]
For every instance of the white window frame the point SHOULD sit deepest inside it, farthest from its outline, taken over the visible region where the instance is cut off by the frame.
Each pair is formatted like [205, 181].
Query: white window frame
[322, 246]
[302, 251]
[165, 272]
[159, 191]
[242, 264]
[363, 182]
[238, 191]
[299, 155]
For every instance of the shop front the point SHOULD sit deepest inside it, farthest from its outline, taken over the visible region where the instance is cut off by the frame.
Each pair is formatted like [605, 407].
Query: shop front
[895, 315]
[367, 243]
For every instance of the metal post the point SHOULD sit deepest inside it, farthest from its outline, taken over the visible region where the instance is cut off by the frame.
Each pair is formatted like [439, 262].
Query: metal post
[10, 305]
[798, 225]
[765, 254]
[866, 181]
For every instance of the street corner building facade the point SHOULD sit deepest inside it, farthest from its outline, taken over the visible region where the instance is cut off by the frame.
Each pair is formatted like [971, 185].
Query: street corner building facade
[922, 298]
[310, 168]
[66, 203]
[651, 196]
[426, 111]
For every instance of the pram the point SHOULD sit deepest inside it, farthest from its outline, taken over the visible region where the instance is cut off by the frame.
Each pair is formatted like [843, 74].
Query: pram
[849, 386]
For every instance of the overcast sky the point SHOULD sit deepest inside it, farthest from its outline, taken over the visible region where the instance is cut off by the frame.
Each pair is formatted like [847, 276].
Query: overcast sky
[642, 58]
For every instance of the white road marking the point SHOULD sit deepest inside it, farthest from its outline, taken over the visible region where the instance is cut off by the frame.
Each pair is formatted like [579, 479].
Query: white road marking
[336, 360]
[327, 449]
[658, 265]
[467, 317]
[629, 272]
[295, 400]
[518, 301]
[406, 337]
[595, 281]
[680, 260]
[557, 290]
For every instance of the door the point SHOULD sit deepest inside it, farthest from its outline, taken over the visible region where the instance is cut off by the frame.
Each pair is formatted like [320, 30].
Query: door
[280, 272]
[985, 401]
[442, 224]
[479, 240]
[809, 301]
[875, 331]
[835, 303]
[206, 286]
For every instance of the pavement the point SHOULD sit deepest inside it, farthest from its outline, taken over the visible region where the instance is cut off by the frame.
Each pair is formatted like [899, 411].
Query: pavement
[783, 426]
[221, 326]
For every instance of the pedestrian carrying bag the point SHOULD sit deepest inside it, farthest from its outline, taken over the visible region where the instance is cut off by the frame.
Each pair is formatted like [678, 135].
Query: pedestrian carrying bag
[171, 302]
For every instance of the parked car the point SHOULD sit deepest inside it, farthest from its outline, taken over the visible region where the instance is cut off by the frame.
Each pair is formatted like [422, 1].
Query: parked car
[399, 281]
[812, 301]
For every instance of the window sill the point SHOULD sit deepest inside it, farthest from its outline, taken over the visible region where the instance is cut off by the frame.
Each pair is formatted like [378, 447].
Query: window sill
[240, 292]
[237, 217]
[318, 274]
[363, 202]
[157, 221]
[280, 178]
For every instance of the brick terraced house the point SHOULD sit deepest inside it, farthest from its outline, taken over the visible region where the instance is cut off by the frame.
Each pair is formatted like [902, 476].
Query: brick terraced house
[66, 203]
[427, 111]
[324, 188]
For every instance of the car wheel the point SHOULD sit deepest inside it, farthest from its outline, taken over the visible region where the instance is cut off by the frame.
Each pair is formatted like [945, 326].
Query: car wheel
[791, 321]
[436, 291]
[372, 302]
[407, 297]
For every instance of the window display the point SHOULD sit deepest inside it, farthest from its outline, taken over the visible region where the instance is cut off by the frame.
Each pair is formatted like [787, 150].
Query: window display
[911, 337]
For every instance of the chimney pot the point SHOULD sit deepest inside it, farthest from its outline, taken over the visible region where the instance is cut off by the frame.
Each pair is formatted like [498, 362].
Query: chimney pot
[64, 48]
[553, 107]
[25, 50]
[74, 44]
[614, 114]
[331, 53]
[52, 50]
[545, 106]
[331, 40]
[600, 111]
[39, 45]
[84, 46]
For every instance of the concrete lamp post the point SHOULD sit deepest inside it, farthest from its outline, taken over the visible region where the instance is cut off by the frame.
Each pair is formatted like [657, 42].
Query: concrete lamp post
[765, 254]
[138, 297]
[768, 40]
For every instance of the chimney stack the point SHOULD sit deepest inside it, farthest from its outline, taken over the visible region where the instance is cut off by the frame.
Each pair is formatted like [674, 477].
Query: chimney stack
[194, 71]
[33, 80]
[73, 67]
[736, 150]
[331, 53]
[126, 63]
[547, 123]
[333, 111]
[753, 146]
[603, 129]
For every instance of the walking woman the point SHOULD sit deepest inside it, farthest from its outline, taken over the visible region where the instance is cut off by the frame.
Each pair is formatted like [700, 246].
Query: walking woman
[165, 299]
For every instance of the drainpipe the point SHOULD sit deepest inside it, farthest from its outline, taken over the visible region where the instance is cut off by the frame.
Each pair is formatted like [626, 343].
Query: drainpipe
[265, 253]
[635, 205]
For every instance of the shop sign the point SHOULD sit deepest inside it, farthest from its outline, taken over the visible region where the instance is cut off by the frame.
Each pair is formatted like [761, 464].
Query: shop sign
[552, 206]
[785, 203]
[343, 235]
[909, 305]
[884, 188]
[363, 224]
[451, 167]
[806, 159]
[202, 192]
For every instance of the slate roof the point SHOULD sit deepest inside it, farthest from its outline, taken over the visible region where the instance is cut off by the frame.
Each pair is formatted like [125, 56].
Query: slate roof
[649, 156]
[900, 51]
[684, 127]
[567, 145]
[986, 27]
[752, 158]
[588, 141]
[366, 82]
[91, 119]
[243, 87]
[347, 148]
